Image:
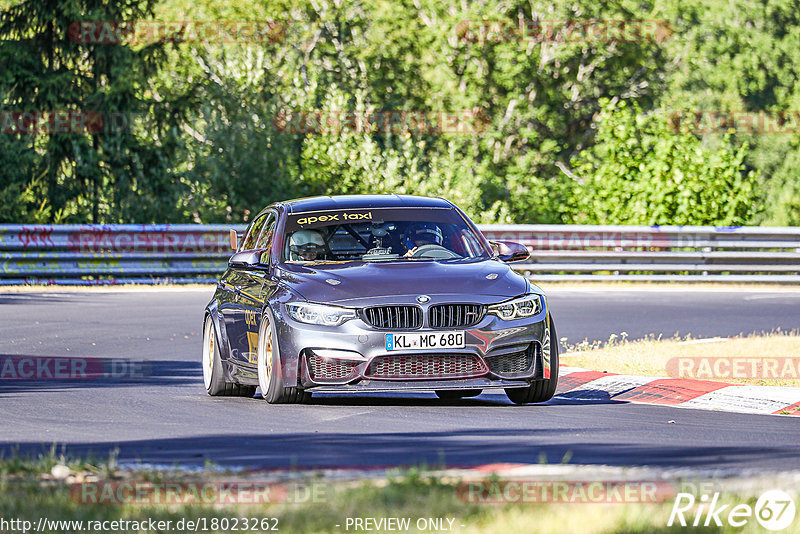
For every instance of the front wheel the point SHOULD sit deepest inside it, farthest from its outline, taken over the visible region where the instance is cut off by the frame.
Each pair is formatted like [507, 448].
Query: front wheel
[541, 390]
[213, 374]
[270, 376]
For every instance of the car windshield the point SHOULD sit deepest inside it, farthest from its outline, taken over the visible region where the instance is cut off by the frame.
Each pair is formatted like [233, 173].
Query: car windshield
[381, 234]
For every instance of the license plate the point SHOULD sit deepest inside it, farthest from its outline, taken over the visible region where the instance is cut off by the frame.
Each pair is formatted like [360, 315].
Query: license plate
[425, 340]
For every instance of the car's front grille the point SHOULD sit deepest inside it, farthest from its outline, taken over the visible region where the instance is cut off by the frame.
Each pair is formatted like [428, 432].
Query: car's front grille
[328, 369]
[393, 317]
[426, 366]
[454, 315]
[513, 364]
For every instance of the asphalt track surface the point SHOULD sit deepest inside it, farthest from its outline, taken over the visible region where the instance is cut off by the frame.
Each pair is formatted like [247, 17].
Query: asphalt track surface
[166, 417]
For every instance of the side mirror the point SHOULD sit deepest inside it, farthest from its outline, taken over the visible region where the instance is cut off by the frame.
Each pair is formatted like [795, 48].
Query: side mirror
[246, 258]
[509, 251]
[234, 237]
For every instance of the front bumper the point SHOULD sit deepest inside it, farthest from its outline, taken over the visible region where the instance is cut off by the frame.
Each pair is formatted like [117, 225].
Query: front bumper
[353, 357]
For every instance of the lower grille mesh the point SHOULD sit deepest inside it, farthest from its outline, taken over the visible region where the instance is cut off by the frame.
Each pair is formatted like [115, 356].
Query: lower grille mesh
[426, 366]
[329, 369]
[514, 364]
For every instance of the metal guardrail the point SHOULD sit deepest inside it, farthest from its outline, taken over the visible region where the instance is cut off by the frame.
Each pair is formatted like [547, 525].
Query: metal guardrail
[656, 253]
[151, 254]
[113, 254]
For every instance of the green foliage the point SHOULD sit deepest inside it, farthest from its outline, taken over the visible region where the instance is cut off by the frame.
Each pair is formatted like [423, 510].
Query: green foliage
[642, 172]
[743, 55]
[202, 143]
[101, 173]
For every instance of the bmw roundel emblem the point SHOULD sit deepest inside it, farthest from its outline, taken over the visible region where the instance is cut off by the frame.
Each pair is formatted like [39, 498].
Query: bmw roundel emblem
[422, 299]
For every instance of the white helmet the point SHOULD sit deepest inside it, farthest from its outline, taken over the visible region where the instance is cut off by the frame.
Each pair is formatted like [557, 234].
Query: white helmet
[298, 244]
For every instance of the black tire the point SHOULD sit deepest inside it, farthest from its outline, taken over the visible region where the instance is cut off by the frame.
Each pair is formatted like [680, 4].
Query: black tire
[214, 376]
[274, 388]
[540, 390]
[455, 394]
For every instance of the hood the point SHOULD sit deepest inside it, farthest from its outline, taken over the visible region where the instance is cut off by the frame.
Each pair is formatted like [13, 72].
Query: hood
[353, 283]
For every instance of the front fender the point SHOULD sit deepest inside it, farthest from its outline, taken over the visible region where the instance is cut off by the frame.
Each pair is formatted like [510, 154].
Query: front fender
[273, 308]
[212, 311]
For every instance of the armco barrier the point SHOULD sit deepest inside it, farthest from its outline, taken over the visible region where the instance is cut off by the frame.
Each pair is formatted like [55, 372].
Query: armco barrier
[148, 254]
[113, 254]
[653, 253]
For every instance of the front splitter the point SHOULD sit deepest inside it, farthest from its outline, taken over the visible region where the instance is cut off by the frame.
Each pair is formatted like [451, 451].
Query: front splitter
[376, 386]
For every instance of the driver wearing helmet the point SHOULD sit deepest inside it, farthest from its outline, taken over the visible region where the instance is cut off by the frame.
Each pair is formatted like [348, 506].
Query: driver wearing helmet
[306, 245]
[420, 234]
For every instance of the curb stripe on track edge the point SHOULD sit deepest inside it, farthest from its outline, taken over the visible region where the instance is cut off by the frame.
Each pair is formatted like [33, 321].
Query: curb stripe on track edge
[676, 391]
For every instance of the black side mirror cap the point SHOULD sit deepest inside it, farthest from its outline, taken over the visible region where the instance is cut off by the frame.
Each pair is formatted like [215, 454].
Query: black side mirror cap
[509, 251]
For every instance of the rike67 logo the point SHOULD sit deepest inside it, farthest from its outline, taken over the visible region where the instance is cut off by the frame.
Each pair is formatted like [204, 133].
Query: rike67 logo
[774, 510]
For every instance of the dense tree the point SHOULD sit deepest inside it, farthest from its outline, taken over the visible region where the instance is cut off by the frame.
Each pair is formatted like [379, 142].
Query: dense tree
[640, 171]
[541, 147]
[86, 137]
[743, 56]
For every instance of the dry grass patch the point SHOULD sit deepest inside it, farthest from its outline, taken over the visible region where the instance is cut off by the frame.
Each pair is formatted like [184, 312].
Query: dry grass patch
[30, 489]
[771, 359]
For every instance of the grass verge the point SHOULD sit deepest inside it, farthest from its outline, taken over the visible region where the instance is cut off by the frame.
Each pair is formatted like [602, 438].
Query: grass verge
[45, 487]
[770, 359]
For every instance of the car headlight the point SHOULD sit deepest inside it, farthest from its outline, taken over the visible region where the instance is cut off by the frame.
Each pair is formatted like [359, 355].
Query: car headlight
[517, 308]
[322, 314]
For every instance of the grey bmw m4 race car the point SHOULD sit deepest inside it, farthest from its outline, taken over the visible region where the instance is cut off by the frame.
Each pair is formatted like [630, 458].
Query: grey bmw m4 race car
[375, 293]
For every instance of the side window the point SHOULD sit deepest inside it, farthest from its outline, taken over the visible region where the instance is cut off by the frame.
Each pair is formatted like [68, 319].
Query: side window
[265, 239]
[255, 230]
